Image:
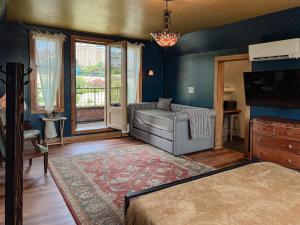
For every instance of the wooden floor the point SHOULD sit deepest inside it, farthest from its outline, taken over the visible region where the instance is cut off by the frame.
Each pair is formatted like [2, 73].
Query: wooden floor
[43, 203]
[217, 158]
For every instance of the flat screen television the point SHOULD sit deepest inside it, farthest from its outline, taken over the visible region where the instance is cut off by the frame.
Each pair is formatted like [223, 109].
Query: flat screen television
[273, 88]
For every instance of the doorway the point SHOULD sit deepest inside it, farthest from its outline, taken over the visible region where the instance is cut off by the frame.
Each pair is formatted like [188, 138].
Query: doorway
[106, 77]
[88, 84]
[233, 115]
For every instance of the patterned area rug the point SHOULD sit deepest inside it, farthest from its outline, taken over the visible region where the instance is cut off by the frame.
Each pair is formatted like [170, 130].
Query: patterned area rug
[94, 185]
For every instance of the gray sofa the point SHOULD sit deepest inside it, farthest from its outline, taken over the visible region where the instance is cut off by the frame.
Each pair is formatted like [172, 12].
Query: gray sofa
[168, 130]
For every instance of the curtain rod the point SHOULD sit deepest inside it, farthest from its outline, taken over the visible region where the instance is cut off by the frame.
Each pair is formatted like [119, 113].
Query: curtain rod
[136, 43]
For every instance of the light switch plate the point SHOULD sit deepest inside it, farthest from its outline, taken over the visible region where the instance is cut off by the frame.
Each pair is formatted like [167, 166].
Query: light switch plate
[191, 90]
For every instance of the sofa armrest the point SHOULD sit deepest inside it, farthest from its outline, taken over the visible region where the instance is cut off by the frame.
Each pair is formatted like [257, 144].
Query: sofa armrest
[138, 106]
[184, 116]
[181, 116]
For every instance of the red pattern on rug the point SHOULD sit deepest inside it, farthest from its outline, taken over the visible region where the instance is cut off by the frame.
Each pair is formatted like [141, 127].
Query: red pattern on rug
[94, 184]
[132, 172]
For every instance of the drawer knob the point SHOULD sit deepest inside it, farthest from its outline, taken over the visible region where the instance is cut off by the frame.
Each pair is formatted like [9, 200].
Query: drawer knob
[290, 146]
[289, 161]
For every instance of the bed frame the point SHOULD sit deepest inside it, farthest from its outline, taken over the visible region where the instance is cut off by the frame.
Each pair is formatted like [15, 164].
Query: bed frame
[129, 196]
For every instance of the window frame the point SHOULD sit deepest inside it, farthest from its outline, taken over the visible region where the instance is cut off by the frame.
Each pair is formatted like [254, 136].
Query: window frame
[88, 40]
[60, 103]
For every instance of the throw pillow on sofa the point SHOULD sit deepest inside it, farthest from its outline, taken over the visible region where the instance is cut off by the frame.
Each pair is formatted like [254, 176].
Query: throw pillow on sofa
[164, 104]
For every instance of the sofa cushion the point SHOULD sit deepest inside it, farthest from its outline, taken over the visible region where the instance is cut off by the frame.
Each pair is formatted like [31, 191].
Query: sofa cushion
[164, 104]
[153, 130]
[160, 119]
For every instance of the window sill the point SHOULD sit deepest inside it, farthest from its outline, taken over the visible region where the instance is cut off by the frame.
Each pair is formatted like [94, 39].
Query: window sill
[43, 111]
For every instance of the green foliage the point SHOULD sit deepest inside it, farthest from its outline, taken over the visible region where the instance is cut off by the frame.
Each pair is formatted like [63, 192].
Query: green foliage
[115, 70]
[82, 82]
[92, 70]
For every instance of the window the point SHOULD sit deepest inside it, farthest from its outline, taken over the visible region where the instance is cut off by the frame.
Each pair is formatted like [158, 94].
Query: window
[134, 73]
[115, 75]
[47, 78]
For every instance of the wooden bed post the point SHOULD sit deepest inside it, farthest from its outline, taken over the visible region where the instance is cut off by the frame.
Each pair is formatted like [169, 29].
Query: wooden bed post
[14, 144]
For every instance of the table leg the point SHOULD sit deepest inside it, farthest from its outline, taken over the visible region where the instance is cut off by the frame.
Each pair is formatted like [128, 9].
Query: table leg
[62, 125]
[43, 130]
[238, 125]
[231, 126]
[45, 137]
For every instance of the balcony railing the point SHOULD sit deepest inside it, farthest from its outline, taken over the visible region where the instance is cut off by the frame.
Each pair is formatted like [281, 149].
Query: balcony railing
[89, 97]
[95, 97]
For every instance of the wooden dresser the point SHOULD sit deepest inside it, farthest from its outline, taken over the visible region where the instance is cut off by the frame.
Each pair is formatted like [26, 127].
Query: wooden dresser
[276, 140]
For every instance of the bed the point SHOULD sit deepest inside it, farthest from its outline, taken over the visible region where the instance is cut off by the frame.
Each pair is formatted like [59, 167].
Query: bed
[254, 193]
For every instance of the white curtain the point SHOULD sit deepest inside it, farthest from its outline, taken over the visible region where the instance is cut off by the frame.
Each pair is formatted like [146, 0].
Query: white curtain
[134, 60]
[48, 54]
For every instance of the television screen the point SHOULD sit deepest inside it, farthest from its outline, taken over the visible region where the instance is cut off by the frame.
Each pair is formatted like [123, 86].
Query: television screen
[273, 88]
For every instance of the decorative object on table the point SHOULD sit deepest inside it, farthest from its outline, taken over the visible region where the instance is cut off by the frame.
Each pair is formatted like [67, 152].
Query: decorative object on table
[49, 78]
[100, 195]
[55, 115]
[51, 120]
[166, 38]
[230, 104]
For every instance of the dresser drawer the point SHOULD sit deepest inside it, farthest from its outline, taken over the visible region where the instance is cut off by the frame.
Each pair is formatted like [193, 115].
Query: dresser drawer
[289, 133]
[263, 129]
[276, 156]
[275, 143]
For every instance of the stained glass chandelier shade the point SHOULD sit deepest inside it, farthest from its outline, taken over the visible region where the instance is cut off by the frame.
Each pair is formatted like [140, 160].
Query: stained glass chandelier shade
[166, 38]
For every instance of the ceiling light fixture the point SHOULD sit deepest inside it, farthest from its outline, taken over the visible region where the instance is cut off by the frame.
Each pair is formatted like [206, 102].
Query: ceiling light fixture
[166, 38]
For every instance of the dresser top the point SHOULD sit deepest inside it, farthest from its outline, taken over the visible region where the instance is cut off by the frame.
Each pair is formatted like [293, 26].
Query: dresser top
[276, 121]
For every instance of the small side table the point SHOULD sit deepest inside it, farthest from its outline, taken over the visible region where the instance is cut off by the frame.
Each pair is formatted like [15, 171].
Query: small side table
[61, 120]
[233, 115]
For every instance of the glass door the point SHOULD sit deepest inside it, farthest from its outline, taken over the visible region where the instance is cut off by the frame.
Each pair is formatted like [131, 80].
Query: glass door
[116, 110]
[90, 86]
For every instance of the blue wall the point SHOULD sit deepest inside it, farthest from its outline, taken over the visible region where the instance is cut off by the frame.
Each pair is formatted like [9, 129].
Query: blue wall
[196, 70]
[191, 63]
[14, 47]
[152, 59]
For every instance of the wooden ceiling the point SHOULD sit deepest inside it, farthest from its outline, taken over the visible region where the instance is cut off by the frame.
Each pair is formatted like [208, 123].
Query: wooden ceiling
[137, 18]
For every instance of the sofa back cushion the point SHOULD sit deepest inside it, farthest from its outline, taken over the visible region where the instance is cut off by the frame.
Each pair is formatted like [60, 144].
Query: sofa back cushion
[164, 104]
[180, 108]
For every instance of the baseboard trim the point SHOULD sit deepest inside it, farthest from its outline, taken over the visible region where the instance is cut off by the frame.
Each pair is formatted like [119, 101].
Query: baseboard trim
[87, 137]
